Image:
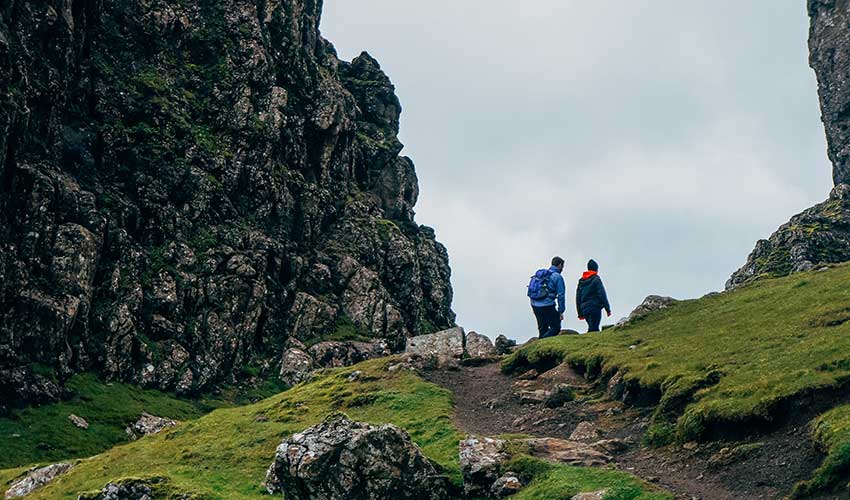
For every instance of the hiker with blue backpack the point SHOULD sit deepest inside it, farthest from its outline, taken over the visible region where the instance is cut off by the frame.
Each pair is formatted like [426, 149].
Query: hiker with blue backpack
[545, 288]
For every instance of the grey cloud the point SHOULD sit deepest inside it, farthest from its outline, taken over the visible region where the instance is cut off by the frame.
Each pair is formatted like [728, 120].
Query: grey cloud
[661, 137]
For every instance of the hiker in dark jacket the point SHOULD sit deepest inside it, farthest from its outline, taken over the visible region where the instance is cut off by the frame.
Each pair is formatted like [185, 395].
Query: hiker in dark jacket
[591, 298]
[549, 316]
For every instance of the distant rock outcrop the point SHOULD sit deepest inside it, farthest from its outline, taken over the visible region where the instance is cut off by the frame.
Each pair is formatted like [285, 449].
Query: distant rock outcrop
[649, 305]
[829, 56]
[186, 186]
[819, 235]
[344, 460]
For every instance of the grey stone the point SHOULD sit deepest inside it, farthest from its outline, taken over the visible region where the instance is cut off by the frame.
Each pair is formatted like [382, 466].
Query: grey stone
[585, 431]
[295, 366]
[481, 460]
[148, 424]
[78, 422]
[444, 347]
[479, 346]
[36, 478]
[341, 459]
[504, 345]
[591, 495]
[649, 305]
[507, 485]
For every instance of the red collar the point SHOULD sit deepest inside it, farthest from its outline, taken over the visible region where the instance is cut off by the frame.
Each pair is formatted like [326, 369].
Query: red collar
[588, 274]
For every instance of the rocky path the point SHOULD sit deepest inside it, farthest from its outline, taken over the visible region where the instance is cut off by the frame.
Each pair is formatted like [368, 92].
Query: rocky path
[489, 403]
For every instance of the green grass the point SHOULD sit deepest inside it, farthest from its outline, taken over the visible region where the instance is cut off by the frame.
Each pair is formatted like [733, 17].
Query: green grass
[723, 361]
[832, 432]
[549, 482]
[224, 455]
[44, 433]
[731, 362]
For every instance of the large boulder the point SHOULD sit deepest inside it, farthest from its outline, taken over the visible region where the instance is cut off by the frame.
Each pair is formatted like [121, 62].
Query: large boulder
[481, 461]
[295, 366]
[340, 459]
[479, 346]
[35, 478]
[444, 348]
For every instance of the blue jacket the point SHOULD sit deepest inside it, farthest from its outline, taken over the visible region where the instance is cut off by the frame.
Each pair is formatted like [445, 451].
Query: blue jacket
[556, 283]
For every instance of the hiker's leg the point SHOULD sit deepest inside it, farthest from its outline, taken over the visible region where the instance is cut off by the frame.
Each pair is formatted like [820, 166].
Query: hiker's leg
[542, 321]
[593, 320]
[554, 322]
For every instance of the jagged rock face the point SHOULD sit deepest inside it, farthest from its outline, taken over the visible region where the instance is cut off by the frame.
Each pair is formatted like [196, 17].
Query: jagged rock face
[819, 235]
[341, 459]
[829, 56]
[185, 186]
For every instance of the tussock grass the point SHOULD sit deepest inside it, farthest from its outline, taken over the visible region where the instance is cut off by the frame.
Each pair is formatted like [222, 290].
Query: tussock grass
[832, 432]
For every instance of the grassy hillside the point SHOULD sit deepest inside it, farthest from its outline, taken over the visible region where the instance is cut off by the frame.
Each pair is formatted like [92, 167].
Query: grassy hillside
[717, 365]
[225, 453]
[44, 433]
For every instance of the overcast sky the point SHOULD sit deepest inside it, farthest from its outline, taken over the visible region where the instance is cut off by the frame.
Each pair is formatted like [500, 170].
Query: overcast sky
[660, 137]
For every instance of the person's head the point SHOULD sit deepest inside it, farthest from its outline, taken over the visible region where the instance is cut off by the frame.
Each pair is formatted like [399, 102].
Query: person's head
[592, 265]
[558, 262]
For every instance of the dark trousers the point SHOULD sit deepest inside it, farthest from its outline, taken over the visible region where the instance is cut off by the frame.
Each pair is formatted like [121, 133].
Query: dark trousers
[593, 317]
[548, 321]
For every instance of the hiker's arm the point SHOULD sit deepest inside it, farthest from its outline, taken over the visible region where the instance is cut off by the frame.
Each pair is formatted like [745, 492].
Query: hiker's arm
[578, 301]
[562, 295]
[604, 297]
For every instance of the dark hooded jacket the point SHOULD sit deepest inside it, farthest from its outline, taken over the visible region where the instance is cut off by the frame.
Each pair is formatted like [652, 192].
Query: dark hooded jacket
[590, 294]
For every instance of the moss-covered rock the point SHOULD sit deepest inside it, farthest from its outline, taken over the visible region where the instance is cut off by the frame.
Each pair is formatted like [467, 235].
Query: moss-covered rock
[819, 235]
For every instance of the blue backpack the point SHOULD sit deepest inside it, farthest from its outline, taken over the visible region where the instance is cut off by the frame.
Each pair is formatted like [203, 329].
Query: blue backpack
[538, 287]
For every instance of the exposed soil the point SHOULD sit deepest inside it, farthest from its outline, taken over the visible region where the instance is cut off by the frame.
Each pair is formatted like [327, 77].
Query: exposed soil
[487, 404]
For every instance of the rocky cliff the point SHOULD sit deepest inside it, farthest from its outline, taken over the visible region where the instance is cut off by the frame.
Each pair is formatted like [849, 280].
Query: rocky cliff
[821, 234]
[187, 187]
[829, 56]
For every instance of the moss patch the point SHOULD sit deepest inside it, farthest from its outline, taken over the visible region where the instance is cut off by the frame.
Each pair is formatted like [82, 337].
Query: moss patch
[832, 432]
[550, 482]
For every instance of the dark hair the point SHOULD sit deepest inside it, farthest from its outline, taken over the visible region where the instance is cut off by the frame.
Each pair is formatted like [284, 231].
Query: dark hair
[557, 261]
[592, 265]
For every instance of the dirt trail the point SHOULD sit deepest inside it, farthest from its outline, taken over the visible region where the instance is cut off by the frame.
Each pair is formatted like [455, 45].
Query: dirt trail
[487, 403]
